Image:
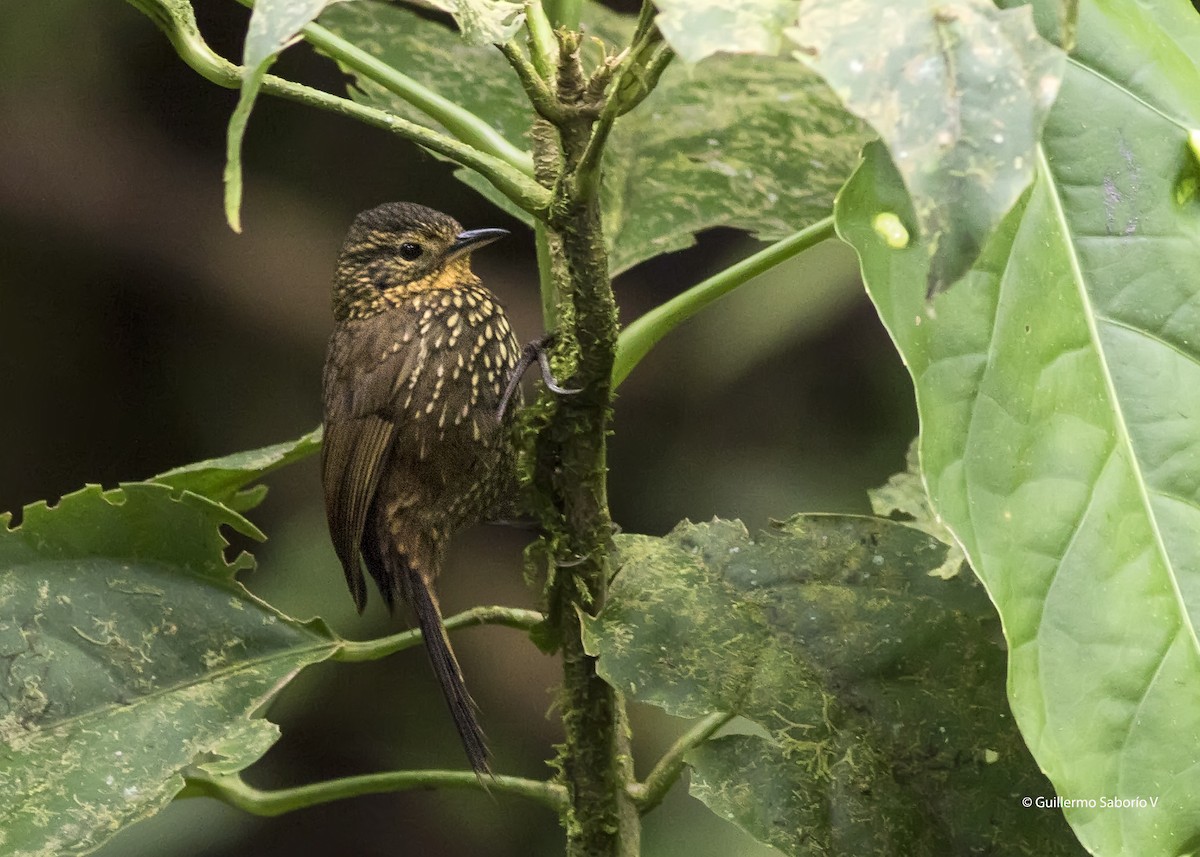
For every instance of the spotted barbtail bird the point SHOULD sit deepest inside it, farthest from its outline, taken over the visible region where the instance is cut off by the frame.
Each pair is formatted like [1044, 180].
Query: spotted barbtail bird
[421, 370]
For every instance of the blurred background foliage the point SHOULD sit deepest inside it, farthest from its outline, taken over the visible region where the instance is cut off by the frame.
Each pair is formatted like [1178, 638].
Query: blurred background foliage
[139, 333]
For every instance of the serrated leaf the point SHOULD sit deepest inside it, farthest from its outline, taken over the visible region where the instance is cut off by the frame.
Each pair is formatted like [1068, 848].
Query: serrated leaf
[1059, 394]
[224, 479]
[903, 498]
[700, 28]
[752, 143]
[127, 653]
[875, 693]
[958, 92]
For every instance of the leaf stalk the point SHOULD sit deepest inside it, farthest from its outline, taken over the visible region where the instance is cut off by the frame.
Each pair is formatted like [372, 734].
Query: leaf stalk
[643, 334]
[459, 121]
[352, 651]
[650, 793]
[236, 792]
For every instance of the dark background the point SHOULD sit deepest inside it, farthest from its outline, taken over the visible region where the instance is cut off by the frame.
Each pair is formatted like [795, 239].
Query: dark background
[139, 333]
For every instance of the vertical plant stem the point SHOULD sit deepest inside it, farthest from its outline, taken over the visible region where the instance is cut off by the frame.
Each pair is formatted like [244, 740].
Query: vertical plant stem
[591, 709]
[570, 479]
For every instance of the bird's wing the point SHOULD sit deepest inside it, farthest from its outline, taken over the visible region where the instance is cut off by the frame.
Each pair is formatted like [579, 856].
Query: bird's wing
[362, 373]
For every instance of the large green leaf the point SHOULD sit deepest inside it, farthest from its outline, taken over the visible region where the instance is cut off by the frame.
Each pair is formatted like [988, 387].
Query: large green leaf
[958, 92]
[754, 143]
[1059, 394]
[128, 652]
[875, 718]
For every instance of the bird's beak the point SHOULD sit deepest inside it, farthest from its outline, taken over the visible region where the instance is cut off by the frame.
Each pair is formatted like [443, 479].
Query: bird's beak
[472, 239]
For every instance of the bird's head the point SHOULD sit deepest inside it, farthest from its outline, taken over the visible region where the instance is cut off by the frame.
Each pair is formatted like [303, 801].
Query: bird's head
[399, 249]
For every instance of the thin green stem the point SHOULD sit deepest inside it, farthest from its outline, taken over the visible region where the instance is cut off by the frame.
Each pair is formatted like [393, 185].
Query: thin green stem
[459, 121]
[643, 334]
[513, 183]
[649, 794]
[536, 88]
[178, 24]
[234, 791]
[647, 79]
[645, 22]
[370, 650]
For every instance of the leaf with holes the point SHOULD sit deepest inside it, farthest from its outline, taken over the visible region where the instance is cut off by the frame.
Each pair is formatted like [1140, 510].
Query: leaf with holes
[904, 498]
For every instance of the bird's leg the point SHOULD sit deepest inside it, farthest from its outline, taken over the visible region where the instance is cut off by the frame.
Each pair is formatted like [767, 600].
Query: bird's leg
[537, 350]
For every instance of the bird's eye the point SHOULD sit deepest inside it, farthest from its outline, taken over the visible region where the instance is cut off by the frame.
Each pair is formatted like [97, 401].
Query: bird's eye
[410, 251]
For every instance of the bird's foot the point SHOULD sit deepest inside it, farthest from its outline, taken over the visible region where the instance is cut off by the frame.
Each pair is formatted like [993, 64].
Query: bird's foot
[538, 350]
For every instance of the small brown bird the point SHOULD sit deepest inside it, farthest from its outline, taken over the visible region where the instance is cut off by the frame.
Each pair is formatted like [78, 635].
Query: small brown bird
[420, 370]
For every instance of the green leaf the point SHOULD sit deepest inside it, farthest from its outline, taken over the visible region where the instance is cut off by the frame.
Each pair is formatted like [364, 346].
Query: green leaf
[958, 92]
[232, 175]
[274, 24]
[128, 652]
[752, 143]
[699, 28]
[224, 480]
[903, 498]
[1059, 395]
[749, 142]
[875, 718]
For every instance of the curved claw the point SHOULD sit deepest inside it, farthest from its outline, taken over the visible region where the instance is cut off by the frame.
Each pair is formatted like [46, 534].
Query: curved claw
[548, 376]
[536, 350]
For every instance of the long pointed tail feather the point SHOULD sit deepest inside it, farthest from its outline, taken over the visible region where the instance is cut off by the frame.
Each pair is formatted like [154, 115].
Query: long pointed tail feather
[445, 666]
[397, 575]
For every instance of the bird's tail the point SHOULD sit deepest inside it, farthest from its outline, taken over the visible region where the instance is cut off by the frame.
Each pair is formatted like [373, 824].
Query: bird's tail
[445, 666]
